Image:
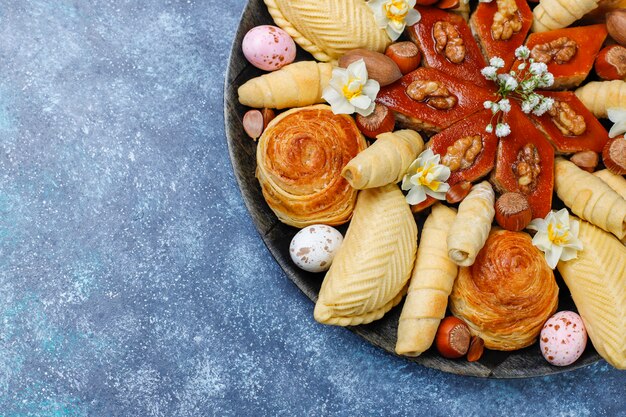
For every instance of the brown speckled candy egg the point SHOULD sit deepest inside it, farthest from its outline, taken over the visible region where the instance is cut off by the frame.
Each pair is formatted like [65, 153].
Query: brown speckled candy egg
[314, 247]
[268, 47]
[563, 338]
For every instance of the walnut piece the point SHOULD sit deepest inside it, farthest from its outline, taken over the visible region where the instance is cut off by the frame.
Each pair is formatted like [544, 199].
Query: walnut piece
[448, 41]
[527, 168]
[506, 21]
[561, 50]
[462, 153]
[432, 92]
[566, 119]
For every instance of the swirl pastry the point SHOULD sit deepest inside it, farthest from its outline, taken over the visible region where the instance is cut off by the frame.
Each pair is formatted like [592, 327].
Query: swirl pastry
[472, 225]
[369, 273]
[386, 161]
[508, 294]
[431, 283]
[597, 282]
[590, 198]
[329, 28]
[299, 161]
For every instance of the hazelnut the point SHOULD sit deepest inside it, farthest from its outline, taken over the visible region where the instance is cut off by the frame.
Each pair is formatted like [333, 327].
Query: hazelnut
[614, 155]
[611, 63]
[476, 349]
[458, 192]
[587, 160]
[513, 211]
[453, 338]
[381, 120]
[405, 55]
[616, 25]
[448, 4]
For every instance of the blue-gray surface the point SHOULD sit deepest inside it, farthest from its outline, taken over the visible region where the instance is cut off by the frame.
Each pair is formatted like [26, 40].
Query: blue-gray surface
[133, 281]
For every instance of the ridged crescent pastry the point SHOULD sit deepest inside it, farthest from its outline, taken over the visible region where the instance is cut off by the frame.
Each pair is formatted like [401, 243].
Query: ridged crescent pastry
[590, 198]
[597, 282]
[472, 225]
[384, 162]
[369, 273]
[329, 28]
[295, 85]
[557, 14]
[616, 182]
[598, 96]
[431, 283]
[508, 294]
[299, 161]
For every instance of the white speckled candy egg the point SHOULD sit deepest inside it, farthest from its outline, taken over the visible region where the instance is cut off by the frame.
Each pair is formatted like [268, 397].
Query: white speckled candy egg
[563, 338]
[268, 47]
[314, 247]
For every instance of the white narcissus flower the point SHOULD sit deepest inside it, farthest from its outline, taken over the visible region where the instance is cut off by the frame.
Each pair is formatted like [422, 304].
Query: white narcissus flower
[426, 176]
[350, 91]
[618, 116]
[557, 237]
[394, 15]
[502, 130]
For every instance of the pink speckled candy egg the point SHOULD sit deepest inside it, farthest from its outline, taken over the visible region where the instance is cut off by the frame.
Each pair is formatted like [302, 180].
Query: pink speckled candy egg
[268, 47]
[563, 338]
[314, 247]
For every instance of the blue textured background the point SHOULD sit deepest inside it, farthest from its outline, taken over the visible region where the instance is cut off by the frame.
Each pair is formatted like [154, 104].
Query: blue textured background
[132, 280]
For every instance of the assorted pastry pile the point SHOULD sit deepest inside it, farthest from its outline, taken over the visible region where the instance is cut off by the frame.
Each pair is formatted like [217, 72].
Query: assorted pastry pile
[453, 115]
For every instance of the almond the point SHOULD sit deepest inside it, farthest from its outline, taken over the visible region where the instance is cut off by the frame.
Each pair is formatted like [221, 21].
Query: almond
[513, 211]
[452, 338]
[616, 25]
[379, 67]
[253, 123]
[611, 63]
[587, 160]
[614, 155]
[458, 192]
[406, 55]
[380, 121]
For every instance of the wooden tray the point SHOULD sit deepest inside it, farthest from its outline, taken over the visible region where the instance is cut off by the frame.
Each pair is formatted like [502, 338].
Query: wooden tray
[277, 236]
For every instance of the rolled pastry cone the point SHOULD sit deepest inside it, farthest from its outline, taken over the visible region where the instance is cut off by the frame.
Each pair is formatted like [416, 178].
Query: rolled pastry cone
[590, 198]
[299, 159]
[431, 283]
[295, 85]
[597, 282]
[329, 28]
[616, 182]
[598, 96]
[557, 14]
[384, 162]
[472, 224]
[369, 273]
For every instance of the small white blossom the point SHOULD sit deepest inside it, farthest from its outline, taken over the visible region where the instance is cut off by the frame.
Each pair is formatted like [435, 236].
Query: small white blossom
[426, 176]
[521, 66]
[527, 107]
[510, 83]
[394, 15]
[496, 62]
[522, 52]
[487, 104]
[557, 237]
[350, 91]
[546, 80]
[545, 105]
[618, 116]
[505, 105]
[489, 72]
[538, 68]
[489, 128]
[529, 85]
[502, 130]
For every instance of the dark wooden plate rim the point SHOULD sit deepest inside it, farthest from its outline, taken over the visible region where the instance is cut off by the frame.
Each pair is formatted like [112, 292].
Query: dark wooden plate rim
[276, 236]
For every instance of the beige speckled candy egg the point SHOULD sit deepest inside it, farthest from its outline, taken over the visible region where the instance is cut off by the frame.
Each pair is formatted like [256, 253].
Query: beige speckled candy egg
[563, 338]
[268, 47]
[314, 247]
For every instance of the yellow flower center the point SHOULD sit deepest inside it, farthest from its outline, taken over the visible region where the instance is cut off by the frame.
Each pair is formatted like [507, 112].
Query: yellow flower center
[557, 235]
[396, 10]
[423, 172]
[349, 95]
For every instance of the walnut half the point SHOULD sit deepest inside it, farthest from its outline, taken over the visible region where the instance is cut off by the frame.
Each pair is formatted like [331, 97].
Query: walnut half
[567, 120]
[433, 93]
[448, 41]
[561, 50]
[527, 168]
[462, 153]
[506, 21]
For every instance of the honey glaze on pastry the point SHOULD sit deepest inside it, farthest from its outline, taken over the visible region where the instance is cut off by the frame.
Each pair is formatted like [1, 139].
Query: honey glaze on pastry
[509, 292]
[299, 161]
